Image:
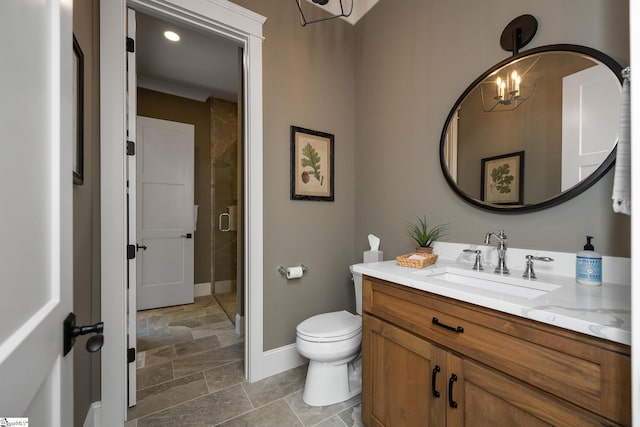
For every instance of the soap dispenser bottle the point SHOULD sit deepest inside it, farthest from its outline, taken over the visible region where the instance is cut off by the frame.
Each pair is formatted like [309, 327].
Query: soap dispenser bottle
[589, 265]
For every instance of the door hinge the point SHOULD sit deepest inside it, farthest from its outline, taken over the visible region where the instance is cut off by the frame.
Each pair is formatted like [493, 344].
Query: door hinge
[131, 148]
[130, 45]
[131, 355]
[131, 251]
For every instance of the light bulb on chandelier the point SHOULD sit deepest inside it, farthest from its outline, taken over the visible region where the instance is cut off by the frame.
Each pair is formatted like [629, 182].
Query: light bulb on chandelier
[509, 90]
[512, 86]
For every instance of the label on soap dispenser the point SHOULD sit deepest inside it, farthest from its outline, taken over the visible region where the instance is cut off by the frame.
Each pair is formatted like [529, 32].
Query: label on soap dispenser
[589, 270]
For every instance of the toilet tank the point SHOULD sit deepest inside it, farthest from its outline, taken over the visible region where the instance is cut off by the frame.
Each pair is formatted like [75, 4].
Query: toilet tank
[357, 284]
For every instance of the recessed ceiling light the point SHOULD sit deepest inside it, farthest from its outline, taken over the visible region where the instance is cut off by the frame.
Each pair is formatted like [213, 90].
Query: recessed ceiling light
[174, 37]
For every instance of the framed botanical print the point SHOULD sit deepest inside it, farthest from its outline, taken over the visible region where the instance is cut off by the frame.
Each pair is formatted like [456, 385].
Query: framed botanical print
[312, 176]
[502, 179]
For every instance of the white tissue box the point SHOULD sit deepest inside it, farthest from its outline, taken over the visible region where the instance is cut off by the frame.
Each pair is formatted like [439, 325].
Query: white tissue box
[372, 256]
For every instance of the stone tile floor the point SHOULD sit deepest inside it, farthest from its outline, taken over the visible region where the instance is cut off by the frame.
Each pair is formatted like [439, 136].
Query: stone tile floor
[190, 373]
[228, 302]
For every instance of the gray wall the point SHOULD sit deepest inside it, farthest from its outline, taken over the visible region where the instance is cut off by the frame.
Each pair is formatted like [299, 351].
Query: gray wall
[384, 89]
[308, 80]
[86, 216]
[413, 60]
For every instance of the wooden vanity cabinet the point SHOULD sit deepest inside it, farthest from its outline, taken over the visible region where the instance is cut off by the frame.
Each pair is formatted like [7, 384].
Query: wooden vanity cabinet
[401, 374]
[480, 367]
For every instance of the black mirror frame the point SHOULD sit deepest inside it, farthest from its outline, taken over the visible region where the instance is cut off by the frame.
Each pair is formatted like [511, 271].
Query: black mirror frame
[564, 196]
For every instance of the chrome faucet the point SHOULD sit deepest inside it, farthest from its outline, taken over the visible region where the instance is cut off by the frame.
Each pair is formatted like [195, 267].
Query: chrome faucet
[501, 238]
[529, 273]
[478, 264]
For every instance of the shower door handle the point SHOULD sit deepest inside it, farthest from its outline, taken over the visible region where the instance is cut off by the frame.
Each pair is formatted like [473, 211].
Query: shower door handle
[228, 222]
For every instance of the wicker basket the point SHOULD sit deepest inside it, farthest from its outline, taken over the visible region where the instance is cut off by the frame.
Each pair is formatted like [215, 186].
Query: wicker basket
[428, 259]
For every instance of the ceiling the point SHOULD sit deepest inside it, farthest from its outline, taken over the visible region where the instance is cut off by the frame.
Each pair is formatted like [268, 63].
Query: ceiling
[198, 66]
[202, 64]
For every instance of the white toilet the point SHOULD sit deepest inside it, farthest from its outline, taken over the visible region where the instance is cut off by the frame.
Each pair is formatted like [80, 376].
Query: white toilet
[331, 342]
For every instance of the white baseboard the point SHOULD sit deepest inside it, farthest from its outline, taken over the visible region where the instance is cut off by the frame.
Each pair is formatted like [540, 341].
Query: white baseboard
[223, 286]
[93, 415]
[201, 289]
[281, 359]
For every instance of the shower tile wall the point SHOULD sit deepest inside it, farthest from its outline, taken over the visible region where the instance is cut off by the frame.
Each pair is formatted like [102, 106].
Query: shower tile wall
[224, 193]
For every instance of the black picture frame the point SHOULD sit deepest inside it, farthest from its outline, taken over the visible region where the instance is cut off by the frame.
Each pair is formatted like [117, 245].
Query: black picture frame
[78, 113]
[502, 179]
[312, 159]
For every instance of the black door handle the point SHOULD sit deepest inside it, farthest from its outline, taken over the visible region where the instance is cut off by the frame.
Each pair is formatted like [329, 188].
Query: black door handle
[138, 247]
[71, 331]
[186, 236]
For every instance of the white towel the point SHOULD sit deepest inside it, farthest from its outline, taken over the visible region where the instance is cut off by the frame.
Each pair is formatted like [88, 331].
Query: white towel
[622, 178]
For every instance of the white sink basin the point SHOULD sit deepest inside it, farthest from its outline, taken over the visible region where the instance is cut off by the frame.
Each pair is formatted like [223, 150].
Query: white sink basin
[491, 282]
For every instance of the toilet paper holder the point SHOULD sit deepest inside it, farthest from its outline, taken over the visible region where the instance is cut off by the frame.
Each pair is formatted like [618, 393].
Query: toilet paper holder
[283, 270]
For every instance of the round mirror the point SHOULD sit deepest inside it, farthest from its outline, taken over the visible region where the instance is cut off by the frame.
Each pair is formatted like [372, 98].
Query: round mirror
[535, 130]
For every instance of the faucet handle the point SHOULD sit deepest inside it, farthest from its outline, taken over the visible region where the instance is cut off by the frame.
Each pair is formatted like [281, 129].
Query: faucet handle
[478, 264]
[529, 273]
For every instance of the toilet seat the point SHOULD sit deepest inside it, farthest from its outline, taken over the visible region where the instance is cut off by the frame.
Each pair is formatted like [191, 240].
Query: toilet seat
[330, 327]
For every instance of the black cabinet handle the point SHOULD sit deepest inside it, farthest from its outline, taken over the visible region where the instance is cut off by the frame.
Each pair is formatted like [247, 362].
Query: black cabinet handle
[452, 402]
[435, 371]
[458, 329]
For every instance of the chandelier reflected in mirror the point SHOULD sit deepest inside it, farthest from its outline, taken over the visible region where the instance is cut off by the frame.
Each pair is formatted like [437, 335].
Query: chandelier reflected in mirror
[508, 88]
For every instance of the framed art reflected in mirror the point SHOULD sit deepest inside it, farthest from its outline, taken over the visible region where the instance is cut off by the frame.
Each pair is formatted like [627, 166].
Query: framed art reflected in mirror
[503, 179]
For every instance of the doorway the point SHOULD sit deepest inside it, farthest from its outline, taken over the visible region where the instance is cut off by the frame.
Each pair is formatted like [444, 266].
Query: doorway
[187, 95]
[197, 80]
[235, 23]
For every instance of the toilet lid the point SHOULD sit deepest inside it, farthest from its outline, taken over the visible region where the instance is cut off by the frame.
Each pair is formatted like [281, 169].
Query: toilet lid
[337, 325]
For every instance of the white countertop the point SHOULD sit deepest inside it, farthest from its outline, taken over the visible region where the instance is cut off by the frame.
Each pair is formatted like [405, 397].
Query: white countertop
[600, 311]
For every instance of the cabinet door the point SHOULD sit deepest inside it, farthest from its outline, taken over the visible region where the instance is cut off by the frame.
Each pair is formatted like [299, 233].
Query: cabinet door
[487, 398]
[403, 378]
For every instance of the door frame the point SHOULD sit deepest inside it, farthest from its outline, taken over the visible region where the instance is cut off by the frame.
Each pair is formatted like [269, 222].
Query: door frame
[236, 23]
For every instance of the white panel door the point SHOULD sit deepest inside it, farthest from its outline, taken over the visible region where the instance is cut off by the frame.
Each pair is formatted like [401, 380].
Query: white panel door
[590, 104]
[36, 210]
[165, 161]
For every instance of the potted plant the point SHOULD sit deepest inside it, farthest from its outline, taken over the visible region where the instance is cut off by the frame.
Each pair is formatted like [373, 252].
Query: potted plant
[424, 235]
